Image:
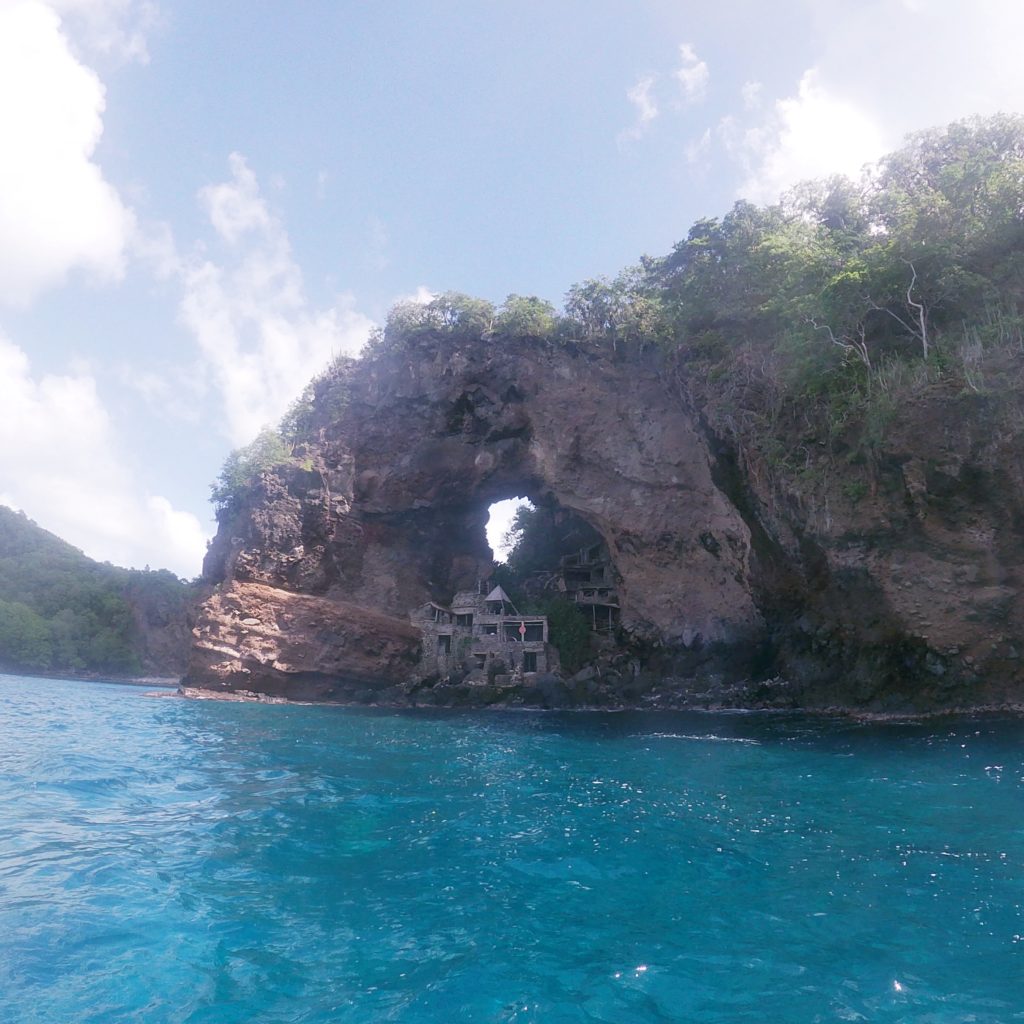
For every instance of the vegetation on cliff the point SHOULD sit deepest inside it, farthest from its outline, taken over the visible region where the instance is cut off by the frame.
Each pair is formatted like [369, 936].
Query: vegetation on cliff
[243, 467]
[821, 313]
[802, 330]
[799, 330]
[809, 326]
[63, 612]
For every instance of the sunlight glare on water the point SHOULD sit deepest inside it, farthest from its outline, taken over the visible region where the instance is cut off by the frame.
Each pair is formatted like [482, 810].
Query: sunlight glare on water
[172, 861]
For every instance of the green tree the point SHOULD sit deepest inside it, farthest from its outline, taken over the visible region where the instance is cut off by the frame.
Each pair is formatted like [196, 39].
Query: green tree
[463, 315]
[525, 316]
[568, 630]
[451, 314]
[61, 611]
[244, 466]
[626, 310]
[25, 640]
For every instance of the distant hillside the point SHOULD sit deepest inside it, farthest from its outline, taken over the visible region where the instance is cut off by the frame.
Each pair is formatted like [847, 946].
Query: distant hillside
[60, 611]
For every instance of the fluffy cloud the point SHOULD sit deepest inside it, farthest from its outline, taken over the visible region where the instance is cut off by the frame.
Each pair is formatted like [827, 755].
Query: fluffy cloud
[692, 74]
[421, 296]
[939, 62]
[60, 458]
[60, 463]
[641, 95]
[936, 60]
[814, 134]
[235, 207]
[692, 77]
[697, 150]
[57, 212]
[750, 93]
[259, 339]
[115, 27]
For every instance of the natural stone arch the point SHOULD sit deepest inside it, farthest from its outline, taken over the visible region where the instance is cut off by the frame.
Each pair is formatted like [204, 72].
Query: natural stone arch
[390, 507]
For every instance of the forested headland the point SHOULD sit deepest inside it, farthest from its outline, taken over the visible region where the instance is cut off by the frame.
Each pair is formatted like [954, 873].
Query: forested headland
[810, 488]
[62, 612]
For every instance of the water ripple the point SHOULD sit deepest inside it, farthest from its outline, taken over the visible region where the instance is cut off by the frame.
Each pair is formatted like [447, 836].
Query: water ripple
[167, 861]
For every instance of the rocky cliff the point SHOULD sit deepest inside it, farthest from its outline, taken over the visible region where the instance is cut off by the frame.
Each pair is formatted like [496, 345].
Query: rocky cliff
[737, 588]
[896, 585]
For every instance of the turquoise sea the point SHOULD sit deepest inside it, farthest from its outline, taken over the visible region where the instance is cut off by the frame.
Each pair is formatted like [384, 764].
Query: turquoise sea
[172, 861]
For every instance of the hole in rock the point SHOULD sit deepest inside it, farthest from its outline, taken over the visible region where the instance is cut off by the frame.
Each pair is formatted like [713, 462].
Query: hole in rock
[499, 523]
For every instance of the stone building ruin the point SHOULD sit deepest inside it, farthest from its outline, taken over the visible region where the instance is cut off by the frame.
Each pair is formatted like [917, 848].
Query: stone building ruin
[587, 578]
[481, 632]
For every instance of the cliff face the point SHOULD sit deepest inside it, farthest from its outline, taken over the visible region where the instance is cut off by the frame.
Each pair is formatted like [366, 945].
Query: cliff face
[908, 571]
[263, 640]
[733, 590]
[161, 626]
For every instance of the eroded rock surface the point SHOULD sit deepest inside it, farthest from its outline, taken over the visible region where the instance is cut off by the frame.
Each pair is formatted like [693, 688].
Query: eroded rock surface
[733, 592]
[264, 640]
[906, 575]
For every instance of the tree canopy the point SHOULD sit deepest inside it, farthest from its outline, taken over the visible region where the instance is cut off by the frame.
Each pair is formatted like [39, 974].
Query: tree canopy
[63, 612]
[243, 467]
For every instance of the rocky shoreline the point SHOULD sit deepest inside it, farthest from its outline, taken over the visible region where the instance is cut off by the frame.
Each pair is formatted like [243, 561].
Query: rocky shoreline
[1015, 709]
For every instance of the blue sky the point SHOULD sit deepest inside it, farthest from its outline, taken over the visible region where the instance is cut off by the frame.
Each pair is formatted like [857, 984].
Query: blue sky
[201, 202]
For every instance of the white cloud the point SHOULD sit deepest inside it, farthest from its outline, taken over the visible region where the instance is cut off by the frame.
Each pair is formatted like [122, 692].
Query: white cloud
[815, 134]
[115, 27]
[181, 530]
[60, 462]
[942, 63]
[57, 212]
[421, 296]
[259, 339]
[236, 207]
[750, 93]
[642, 98]
[692, 75]
[698, 149]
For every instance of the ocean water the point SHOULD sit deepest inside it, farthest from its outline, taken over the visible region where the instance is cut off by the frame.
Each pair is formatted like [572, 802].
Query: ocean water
[172, 861]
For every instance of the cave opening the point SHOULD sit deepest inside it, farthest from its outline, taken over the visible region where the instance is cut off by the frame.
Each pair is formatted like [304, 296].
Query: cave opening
[500, 517]
[544, 552]
[547, 597]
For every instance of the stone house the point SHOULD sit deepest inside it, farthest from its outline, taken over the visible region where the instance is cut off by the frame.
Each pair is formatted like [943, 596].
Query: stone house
[480, 631]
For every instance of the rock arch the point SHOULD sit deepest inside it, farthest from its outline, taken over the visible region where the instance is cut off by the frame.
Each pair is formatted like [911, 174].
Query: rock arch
[386, 506]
